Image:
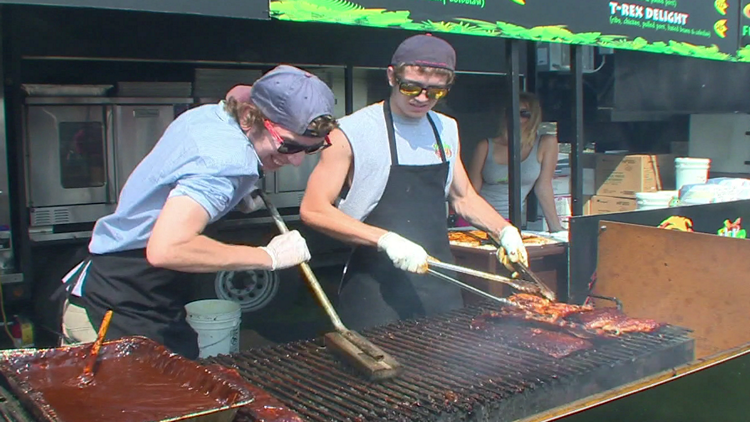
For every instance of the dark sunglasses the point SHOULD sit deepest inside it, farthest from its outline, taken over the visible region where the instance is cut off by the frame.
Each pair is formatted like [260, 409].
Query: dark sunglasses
[525, 114]
[291, 147]
[411, 89]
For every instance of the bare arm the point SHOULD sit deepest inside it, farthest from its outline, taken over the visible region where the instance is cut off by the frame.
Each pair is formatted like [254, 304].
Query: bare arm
[176, 243]
[323, 188]
[477, 164]
[548, 149]
[469, 205]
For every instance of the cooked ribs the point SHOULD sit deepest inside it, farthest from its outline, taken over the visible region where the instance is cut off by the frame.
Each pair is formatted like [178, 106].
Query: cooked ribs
[541, 306]
[614, 321]
[580, 321]
[552, 343]
[520, 316]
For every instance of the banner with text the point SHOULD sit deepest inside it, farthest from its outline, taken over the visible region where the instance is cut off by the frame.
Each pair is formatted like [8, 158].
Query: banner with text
[698, 28]
[743, 54]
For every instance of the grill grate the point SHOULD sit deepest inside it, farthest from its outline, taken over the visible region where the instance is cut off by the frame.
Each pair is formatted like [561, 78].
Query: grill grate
[11, 409]
[453, 373]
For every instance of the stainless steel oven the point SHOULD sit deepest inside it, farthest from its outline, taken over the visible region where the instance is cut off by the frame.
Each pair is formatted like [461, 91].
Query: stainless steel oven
[79, 153]
[137, 128]
[67, 152]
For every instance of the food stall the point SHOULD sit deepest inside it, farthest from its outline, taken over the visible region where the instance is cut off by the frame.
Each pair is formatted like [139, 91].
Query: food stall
[465, 366]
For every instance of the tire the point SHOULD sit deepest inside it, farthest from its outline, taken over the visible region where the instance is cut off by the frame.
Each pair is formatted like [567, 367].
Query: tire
[261, 294]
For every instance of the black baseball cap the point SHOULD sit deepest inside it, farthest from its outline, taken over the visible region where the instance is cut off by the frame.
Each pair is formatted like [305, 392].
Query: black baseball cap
[425, 50]
[292, 97]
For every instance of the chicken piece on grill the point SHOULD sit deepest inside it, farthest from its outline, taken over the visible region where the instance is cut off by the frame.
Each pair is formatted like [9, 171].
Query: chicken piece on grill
[615, 321]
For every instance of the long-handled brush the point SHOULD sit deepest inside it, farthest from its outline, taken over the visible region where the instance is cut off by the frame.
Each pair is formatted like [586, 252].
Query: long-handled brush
[366, 357]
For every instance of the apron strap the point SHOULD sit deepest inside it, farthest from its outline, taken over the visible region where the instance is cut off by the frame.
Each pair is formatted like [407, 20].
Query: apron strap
[392, 133]
[437, 137]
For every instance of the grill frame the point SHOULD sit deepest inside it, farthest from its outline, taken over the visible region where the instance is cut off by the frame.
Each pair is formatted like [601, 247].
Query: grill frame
[479, 399]
[446, 378]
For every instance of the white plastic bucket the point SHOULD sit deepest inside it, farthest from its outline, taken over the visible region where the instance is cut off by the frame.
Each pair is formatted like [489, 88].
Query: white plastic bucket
[691, 171]
[217, 323]
[654, 200]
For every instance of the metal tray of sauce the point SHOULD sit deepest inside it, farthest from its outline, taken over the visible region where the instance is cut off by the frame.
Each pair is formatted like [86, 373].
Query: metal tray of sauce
[137, 380]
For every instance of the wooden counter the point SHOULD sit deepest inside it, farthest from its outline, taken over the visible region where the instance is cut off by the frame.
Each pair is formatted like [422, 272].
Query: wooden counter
[549, 262]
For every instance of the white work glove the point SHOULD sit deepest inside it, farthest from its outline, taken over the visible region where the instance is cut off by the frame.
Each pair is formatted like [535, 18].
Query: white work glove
[251, 203]
[511, 248]
[287, 250]
[405, 254]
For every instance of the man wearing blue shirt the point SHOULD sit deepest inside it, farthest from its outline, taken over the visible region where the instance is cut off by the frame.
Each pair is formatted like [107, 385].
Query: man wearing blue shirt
[206, 163]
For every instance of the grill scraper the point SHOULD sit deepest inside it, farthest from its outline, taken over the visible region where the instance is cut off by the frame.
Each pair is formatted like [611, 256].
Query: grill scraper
[366, 357]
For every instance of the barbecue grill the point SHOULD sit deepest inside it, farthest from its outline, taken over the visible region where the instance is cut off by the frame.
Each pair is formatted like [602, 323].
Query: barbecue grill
[453, 373]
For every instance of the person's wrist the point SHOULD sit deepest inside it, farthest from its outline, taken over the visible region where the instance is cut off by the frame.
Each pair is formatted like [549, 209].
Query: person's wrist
[384, 239]
[268, 259]
[508, 228]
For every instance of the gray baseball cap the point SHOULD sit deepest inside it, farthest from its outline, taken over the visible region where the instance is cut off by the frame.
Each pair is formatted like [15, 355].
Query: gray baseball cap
[292, 97]
[425, 50]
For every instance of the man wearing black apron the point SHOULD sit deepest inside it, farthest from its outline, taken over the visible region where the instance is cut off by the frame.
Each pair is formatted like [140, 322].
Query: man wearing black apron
[206, 164]
[383, 186]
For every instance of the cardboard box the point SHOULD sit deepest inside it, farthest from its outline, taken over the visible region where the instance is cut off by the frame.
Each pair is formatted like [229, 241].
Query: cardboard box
[609, 204]
[622, 176]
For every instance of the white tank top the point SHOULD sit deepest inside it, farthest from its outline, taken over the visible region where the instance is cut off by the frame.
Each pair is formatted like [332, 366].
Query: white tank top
[495, 187]
[415, 144]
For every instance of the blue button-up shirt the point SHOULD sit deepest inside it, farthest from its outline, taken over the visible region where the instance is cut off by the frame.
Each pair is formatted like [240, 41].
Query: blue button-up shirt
[203, 154]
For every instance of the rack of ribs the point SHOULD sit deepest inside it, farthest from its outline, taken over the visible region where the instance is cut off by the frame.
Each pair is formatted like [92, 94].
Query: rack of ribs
[581, 321]
[552, 343]
[529, 318]
[614, 321]
[552, 310]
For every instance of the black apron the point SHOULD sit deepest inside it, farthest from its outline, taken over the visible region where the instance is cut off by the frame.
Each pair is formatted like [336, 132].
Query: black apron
[145, 300]
[373, 291]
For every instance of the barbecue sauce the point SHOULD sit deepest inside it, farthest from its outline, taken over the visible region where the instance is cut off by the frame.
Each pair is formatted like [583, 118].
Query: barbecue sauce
[130, 384]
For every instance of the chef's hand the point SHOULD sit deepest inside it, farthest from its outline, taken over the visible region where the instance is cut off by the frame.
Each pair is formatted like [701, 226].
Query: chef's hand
[287, 250]
[405, 254]
[252, 202]
[511, 248]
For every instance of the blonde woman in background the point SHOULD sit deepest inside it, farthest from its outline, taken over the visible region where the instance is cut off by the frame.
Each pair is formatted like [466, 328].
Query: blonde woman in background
[489, 167]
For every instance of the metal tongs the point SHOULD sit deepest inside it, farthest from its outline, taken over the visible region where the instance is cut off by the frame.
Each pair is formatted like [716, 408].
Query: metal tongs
[520, 285]
[526, 273]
